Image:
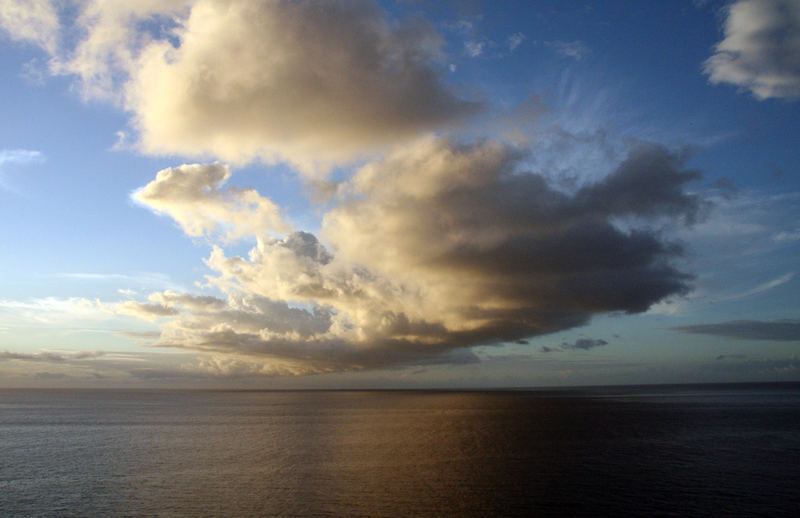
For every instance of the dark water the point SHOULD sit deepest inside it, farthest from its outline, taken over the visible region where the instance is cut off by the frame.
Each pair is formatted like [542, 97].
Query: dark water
[646, 451]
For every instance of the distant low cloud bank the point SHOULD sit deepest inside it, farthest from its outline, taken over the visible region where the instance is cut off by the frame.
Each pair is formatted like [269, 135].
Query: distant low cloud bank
[781, 330]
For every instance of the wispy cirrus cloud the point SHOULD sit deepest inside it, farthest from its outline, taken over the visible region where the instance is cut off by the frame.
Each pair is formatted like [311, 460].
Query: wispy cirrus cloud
[761, 288]
[20, 156]
[17, 157]
[576, 49]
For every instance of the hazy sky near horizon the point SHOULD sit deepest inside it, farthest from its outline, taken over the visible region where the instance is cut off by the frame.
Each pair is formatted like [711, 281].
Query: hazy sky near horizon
[209, 193]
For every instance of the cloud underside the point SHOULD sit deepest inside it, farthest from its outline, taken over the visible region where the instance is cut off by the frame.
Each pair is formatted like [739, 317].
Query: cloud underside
[761, 49]
[436, 247]
[782, 330]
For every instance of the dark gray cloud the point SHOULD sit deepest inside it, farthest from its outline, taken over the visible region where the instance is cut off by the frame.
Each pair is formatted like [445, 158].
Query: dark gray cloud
[473, 220]
[781, 330]
[581, 344]
[584, 344]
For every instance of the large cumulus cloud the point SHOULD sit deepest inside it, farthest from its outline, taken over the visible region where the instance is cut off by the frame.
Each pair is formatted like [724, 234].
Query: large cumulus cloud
[441, 246]
[311, 82]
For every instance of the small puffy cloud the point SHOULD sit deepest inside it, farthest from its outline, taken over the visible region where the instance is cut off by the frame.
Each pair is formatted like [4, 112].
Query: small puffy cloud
[515, 40]
[474, 48]
[193, 197]
[781, 330]
[576, 50]
[761, 49]
[584, 344]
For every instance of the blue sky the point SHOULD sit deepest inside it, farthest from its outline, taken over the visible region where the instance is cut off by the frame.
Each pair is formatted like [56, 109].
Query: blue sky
[399, 194]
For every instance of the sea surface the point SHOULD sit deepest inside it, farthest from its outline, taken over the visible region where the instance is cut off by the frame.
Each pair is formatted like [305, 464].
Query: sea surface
[690, 450]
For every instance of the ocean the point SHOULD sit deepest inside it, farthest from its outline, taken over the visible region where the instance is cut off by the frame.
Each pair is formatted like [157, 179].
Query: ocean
[684, 450]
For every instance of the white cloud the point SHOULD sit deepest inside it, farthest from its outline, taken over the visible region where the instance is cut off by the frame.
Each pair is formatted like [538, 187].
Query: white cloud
[787, 236]
[51, 357]
[474, 48]
[11, 157]
[308, 82]
[145, 310]
[576, 50]
[50, 310]
[515, 40]
[34, 21]
[20, 156]
[761, 49]
[192, 196]
[314, 83]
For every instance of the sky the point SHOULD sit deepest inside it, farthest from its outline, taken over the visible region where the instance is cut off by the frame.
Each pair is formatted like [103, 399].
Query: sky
[398, 194]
